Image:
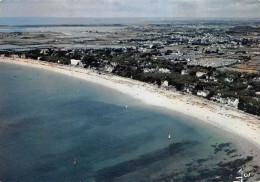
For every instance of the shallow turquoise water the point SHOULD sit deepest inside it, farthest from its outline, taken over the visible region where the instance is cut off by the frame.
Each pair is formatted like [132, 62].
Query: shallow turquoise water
[47, 119]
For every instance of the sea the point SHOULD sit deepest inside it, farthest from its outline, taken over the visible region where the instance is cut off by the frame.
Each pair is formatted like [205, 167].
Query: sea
[38, 21]
[47, 120]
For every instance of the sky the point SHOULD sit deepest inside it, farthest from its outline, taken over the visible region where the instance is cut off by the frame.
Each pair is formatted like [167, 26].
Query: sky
[131, 8]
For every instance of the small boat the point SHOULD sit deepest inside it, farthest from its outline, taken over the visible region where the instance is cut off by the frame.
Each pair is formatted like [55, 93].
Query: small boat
[126, 106]
[75, 161]
[169, 137]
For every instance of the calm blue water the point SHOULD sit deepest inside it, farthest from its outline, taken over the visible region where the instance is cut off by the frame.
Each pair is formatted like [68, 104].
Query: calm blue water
[72, 31]
[47, 119]
[20, 21]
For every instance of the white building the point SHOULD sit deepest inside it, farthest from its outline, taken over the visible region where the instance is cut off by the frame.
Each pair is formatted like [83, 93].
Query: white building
[108, 68]
[233, 101]
[44, 51]
[229, 80]
[15, 56]
[76, 62]
[151, 46]
[164, 70]
[200, 74]
[184, 72]
[165, 83]
[229, 100]
[223, 100]
[188, 89]
[203, 93]
[217, 97]
[113, 64]
[147, 70]
[249, 87]
[212, 78]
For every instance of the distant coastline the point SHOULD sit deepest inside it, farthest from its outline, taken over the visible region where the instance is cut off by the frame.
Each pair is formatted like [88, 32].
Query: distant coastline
[224, 117]
[86, 21]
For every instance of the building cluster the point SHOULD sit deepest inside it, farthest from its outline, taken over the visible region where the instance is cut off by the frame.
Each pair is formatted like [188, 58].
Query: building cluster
[204, 45]
[213, 62]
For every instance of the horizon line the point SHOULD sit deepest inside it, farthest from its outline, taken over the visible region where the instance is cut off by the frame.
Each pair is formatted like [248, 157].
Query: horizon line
[131, 17]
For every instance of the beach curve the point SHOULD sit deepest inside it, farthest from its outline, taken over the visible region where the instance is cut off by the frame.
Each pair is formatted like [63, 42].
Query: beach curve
[224, 117]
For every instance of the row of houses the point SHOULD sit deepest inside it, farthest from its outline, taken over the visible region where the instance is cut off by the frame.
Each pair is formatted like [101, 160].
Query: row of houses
[160, 70]
[14, 56]
[203, 93]
[231, 101]
[107, 67]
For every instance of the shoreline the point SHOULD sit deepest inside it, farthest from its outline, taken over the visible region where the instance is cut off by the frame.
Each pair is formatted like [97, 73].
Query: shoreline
[224, 117]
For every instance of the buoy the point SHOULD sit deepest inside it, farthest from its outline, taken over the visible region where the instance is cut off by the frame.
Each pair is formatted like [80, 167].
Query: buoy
[126, 106]
[169, 137]
[75, 161]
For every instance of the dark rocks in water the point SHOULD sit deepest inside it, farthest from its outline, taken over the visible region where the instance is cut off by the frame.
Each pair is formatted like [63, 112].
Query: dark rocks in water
[199, 161]
[189, 164]
[256, 167]
[110, 173]
[214, 145]
[231, 151]
[221, 147]
[198, 174]
[177, 147]
[234, 156]
[197, 170]
[220, 172]
[236, 163]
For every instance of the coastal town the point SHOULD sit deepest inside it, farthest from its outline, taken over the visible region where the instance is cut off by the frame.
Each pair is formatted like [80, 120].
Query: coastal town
[209, 60]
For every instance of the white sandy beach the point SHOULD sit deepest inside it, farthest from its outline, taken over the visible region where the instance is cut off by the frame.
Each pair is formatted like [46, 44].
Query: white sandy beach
[227, 118]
